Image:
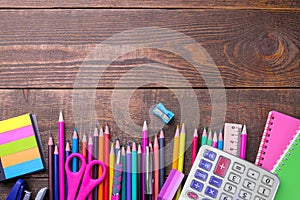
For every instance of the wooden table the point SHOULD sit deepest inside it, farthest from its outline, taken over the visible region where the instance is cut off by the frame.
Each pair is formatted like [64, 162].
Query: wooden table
[43, 46]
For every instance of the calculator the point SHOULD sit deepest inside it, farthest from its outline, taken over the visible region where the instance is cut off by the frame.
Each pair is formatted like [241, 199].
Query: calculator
[219, 175]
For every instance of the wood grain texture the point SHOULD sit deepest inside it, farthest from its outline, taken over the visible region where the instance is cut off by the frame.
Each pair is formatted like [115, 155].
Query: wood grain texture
[151, 4]
[249, 106]
[46, 48]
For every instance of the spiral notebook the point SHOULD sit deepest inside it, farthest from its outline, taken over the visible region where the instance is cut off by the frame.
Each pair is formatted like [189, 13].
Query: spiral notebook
[280, 129]
[20, 147]
[287, 169]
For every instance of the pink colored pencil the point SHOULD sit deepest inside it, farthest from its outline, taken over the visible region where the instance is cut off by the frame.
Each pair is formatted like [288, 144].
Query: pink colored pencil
[144, 145]
[106, 162]
[84, 146]
[194, 146]
[90, 159]
[156, 167]
[243, 143]
[215, 140]
[61, 152]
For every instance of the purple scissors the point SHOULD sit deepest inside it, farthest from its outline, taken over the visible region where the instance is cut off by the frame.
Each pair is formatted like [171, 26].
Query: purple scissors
[81, 183]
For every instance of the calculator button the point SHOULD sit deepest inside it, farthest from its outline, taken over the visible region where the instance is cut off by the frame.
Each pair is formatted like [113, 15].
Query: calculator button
[201, 175]
[249, 184]
[205, 165]
[253, 174]
[264, 191]
[222, 166]
[197, 185]
[210, 155]
[230, 188]
[267, 180]
[238, 168]
[225, 197]
[245, 195]
[192, 195]
[214, 181]
[234, 178]
[258, 198]
[211, 192]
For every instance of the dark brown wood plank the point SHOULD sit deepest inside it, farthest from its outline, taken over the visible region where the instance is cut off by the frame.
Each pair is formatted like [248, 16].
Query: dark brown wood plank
[249, 106]
[252, 48]
[152, 4]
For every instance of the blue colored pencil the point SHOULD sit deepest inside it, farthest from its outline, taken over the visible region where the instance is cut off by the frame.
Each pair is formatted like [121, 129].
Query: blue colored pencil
[75, 145]
[220, 140]
[67, 154]
[56, 175]
[161, 159]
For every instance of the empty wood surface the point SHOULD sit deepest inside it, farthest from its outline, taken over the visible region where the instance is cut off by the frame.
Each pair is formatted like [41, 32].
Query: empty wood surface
[152, 4]
[246, 53]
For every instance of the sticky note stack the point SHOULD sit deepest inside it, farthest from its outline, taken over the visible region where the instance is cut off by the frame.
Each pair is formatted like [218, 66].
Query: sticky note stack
[20, 147]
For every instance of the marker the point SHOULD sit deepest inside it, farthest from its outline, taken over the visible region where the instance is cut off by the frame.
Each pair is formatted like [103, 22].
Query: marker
[220, 141]
[209, 138]
[204, 137]
[215, 140]
[243, 143]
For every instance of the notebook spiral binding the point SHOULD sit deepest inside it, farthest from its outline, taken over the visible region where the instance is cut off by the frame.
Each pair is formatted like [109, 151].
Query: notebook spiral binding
[265, 140]
[287, 153]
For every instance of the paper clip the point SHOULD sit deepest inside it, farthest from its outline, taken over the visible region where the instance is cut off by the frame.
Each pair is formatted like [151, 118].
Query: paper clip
[163, 113]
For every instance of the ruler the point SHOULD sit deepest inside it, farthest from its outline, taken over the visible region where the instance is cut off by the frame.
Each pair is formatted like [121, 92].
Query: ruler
[232, 135]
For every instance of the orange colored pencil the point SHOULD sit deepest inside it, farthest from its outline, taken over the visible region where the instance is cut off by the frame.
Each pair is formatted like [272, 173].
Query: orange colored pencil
[84, 146]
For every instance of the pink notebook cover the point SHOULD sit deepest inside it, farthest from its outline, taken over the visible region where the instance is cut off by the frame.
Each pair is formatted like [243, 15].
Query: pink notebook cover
[279, 131]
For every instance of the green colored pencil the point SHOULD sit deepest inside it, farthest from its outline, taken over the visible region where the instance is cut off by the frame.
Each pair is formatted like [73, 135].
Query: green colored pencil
[204, 137]
[209, 138]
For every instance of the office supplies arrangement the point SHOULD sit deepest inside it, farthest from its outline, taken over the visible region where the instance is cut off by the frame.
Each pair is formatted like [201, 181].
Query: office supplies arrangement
[20, 147]
[279, 131]
[163, 113]
[80, 184]
[220, 175]
[287, 169]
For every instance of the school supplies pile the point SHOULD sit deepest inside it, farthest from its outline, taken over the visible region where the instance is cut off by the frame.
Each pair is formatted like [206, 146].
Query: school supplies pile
[20, 147]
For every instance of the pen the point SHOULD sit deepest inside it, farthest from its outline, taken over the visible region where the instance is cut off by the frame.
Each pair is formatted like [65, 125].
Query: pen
[243, 143]
[220, 141]
[194, 146]
[215, 140]
[204, 137]
[117, 180]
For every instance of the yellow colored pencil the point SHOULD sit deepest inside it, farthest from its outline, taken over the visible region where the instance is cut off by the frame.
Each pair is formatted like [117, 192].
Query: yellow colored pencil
[111, 168]
[181, 156]
[101, 158]
[176, 149]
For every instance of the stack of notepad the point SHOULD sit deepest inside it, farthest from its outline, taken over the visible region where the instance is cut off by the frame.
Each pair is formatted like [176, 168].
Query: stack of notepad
[279, 152]
[20, 147]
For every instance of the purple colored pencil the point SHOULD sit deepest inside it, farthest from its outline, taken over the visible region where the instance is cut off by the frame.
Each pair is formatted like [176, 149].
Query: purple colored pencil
[128, 174]
[144, 145]
[56, 173]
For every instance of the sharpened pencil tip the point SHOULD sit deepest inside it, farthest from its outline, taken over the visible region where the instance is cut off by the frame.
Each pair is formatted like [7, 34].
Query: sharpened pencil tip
[61, 118]
[161, 134]
[145, 126]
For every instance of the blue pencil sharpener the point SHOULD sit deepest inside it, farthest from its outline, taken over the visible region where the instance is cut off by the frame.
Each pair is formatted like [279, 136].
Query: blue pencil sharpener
[163, 113]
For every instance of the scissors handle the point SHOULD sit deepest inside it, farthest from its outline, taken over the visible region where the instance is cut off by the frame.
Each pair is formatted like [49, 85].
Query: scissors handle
[88, 183]
[74, 178]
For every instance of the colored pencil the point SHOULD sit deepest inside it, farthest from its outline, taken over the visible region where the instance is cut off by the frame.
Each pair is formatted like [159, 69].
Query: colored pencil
[95, 157]
[194, 146]
[75, 145]
[139, 170]
[176, 149]
[67, 154]
[101, 158]
[156, 167]
[220, 140]
[117, 178]
[204, 137]
[61, 152]
[134, 172]
[215, 140]
[148, 175]
[123, 191]
[181, 156]
[90, 159]
[161, 159]
[209, 137]
[56, 173]
[50, 167]
[84, 146]
[111, 168]
[106, 161]
[117, 146]
[128, 174]
[144, 144]
[243, 146]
